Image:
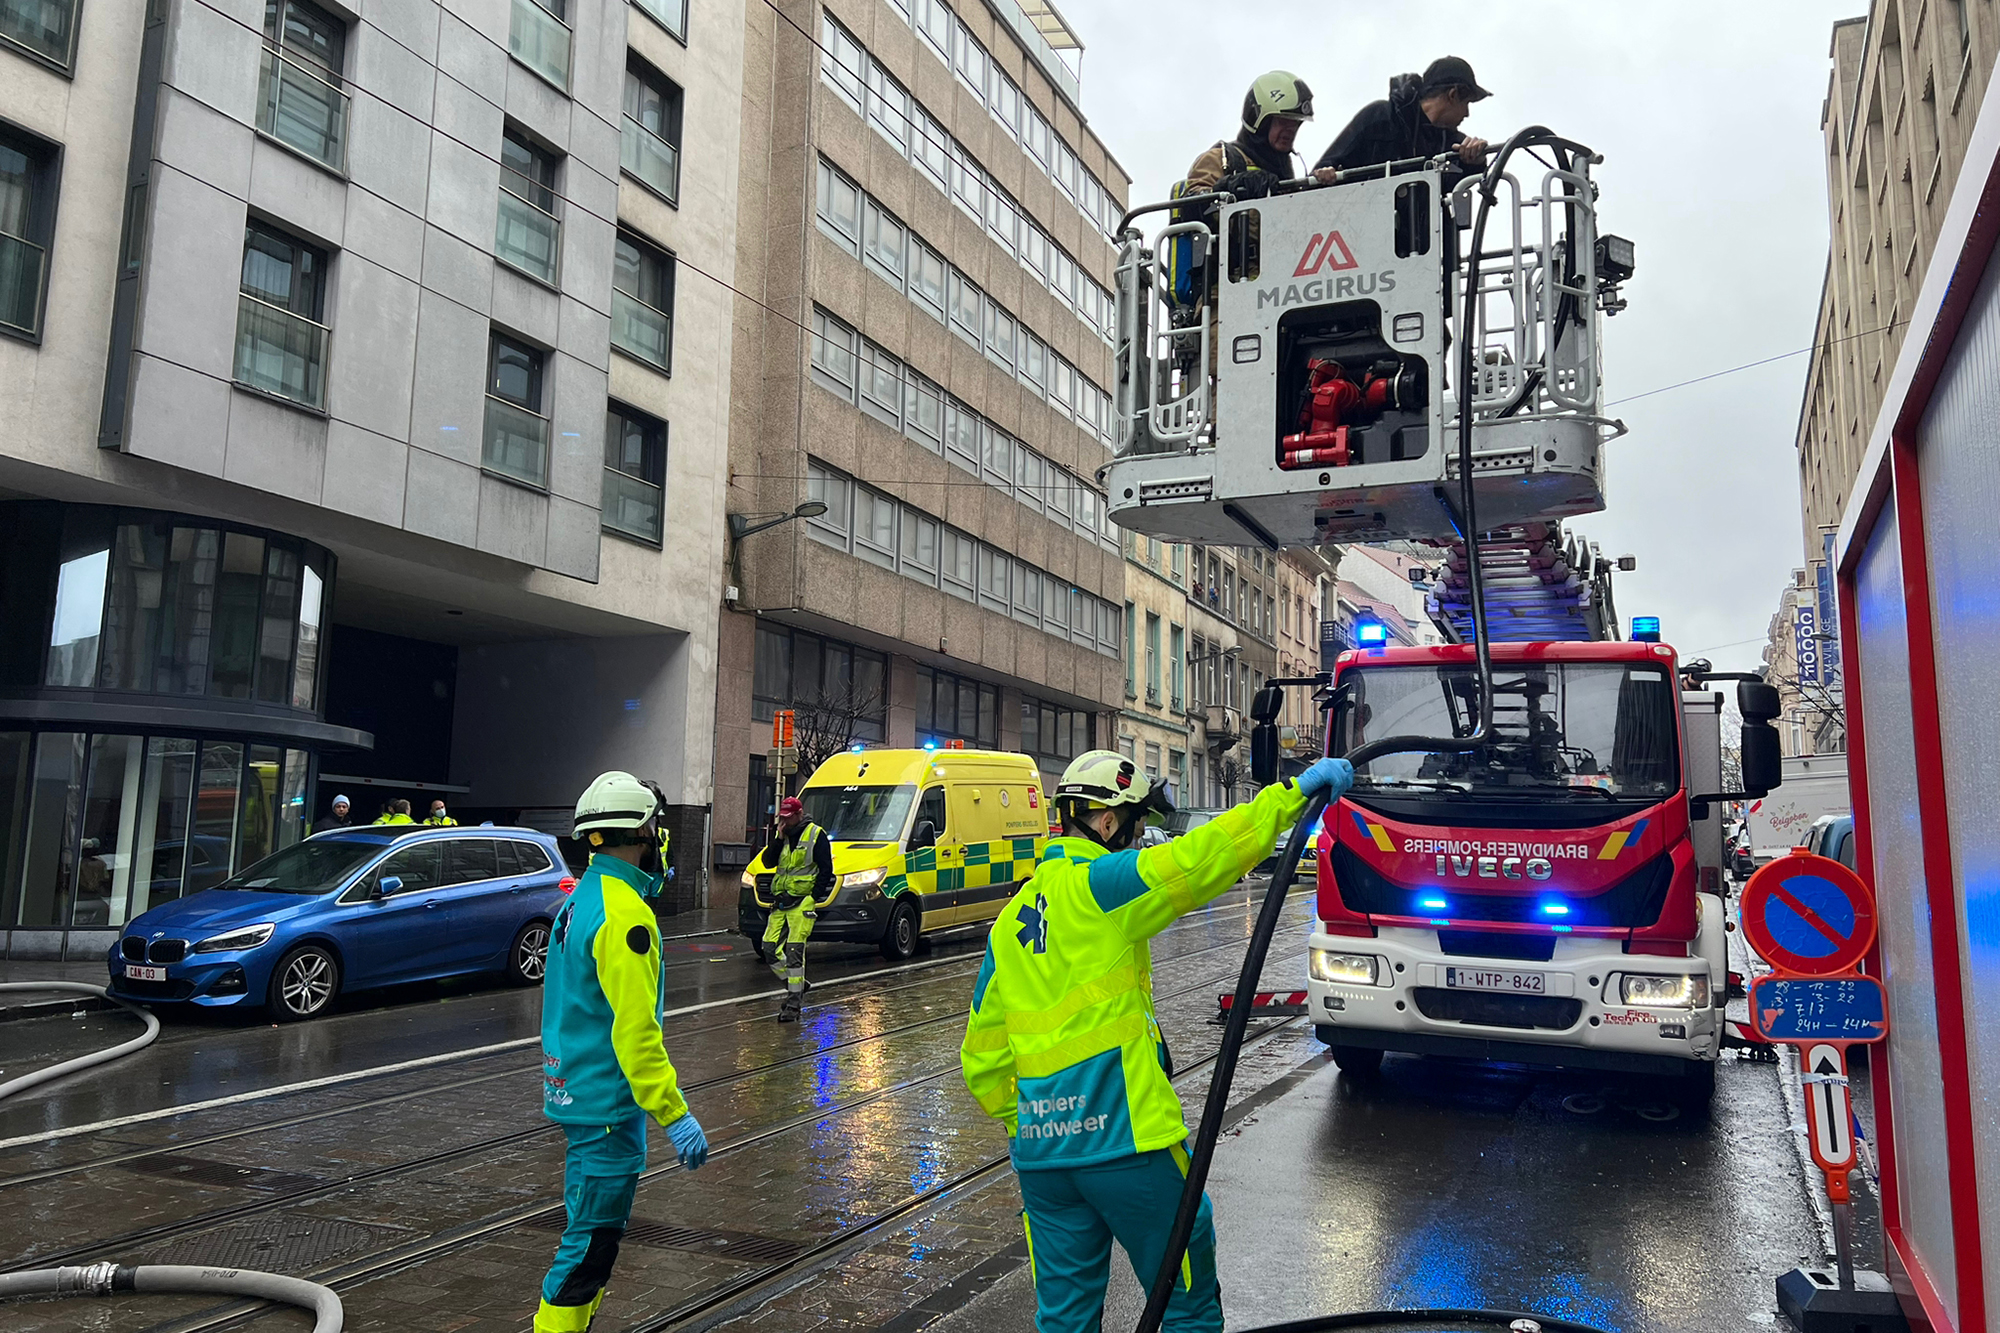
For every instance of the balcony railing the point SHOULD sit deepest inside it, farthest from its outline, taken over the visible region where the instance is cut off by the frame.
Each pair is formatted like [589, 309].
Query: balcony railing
[632, 506]
[640, 330]
[303, 109]
[540, 40]
[672, 14]
[517, 442]
[278, 352]
[527, 237]
[21, 266]
[648, 158]
[46, 27]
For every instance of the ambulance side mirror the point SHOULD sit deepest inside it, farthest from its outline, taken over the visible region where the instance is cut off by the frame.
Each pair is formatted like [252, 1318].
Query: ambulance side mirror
[925, 835]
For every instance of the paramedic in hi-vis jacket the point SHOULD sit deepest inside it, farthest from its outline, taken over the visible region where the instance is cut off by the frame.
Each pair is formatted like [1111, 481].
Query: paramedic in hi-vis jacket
[1063, 1048]
[604, 1061]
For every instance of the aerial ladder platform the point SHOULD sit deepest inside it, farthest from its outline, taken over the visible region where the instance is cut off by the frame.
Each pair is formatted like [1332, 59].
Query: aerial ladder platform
[1311, 392]
[1541, 583]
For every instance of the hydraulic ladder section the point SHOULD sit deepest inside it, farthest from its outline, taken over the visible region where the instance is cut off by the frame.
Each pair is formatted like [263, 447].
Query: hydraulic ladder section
[1299, 390]
[1542, 585]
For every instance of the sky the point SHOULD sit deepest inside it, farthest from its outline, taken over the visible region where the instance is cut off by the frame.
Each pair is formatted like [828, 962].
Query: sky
[1708, 119]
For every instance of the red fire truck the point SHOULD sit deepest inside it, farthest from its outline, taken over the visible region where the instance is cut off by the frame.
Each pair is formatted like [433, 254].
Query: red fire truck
[1553, 896]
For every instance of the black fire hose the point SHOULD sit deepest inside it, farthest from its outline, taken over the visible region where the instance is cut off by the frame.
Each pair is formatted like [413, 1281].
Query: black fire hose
[1202, 1151]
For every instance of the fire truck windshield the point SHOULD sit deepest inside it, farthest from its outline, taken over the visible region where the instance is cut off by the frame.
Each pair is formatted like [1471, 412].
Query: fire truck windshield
[1589, 730]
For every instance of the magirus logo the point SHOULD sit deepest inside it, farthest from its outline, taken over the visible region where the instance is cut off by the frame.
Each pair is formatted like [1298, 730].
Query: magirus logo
[1326, 253]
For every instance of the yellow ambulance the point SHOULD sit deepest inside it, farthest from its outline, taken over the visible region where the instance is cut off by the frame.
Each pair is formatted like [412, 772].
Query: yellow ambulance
[923, 840]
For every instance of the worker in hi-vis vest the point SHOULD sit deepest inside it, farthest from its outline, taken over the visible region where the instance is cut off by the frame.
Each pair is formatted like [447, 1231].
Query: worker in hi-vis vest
[801, 861]
[1063, 1048]
[604, 1059]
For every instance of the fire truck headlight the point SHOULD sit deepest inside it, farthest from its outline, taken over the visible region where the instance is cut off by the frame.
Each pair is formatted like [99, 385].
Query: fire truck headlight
[1681, 992]
[1353, 969]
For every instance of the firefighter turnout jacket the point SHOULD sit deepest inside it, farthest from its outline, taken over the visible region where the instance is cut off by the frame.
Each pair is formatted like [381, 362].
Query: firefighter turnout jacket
[603, 1054]
[1062, 1046]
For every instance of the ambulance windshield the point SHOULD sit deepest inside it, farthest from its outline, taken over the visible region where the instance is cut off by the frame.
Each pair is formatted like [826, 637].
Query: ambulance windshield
[1586, 730]
[860, 814]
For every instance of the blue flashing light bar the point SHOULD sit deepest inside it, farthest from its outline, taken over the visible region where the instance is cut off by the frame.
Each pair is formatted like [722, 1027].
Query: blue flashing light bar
[1370, 632]
[1561, 930]
[1433, 904]
[1439, 921]
[1555, 907]
[1645, 629]
[856, 748]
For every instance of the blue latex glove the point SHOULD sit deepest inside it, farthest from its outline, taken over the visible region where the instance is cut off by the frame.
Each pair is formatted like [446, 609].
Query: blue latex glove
[689, 1141]
[1332, 776]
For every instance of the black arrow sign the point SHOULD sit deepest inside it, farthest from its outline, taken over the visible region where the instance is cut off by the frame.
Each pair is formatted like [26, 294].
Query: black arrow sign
[1832, 1128]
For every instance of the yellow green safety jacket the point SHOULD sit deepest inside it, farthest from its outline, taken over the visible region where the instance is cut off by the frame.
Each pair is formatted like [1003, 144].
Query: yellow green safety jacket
[1062, 1046]
[603, 1055]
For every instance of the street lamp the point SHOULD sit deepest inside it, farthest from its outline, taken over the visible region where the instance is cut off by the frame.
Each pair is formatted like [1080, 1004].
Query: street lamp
[749, 525]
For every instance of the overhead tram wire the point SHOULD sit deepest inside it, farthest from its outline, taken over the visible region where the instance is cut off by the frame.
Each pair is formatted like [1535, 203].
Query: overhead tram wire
[1764, 361]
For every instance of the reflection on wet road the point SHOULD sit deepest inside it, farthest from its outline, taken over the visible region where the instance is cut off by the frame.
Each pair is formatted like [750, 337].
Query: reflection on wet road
[853, 1182]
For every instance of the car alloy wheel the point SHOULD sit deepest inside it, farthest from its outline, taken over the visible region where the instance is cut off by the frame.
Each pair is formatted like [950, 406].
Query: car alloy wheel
[531, 954]
[305, 983]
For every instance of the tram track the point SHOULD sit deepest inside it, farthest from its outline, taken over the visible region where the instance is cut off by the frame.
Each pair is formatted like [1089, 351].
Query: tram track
[178, 1146]
[167, 1231]
[393, 1259]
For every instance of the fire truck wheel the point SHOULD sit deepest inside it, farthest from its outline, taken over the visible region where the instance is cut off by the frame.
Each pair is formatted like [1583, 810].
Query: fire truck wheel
[1358, 1061]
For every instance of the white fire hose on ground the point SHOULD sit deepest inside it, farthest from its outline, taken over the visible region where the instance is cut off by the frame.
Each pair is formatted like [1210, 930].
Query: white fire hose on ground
[57, 1070]
[167, 1279]
[156, 1279]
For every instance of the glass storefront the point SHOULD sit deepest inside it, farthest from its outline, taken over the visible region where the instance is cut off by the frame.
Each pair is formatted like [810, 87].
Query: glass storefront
[100, 827]
[161, 680]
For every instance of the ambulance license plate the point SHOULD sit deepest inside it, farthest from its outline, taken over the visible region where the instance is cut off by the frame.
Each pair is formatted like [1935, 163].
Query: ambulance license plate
[1485, 978]
[136, 972]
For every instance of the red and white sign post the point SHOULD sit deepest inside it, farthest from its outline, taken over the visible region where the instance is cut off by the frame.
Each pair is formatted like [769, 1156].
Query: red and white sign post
[1813, 920]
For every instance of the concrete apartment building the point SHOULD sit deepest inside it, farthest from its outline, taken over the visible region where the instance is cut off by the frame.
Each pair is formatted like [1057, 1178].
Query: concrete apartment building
[923, 347]
[1907, 82]
[363, 432]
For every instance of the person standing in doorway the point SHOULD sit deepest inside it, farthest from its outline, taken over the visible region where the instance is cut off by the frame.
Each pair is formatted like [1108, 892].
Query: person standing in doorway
[439, 817]
[605, 1068]
[801, 859]
[340, 816]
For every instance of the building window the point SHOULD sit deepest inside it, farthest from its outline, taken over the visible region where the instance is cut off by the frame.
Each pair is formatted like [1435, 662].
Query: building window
[280, 342]
[833, 358]
[846, 685]
[517, 431]
[635, 473]
[539, 39]
[1177, 665]
[642, 302]
[669, 14]
[44, 29]
[1053, 731]
[1131, 658]
[649, 141]
[27, 226]
[839, 207]
[1152, 659]
[882, 243]
[875, 527]
[528, 235]
[300, 102]
[837, 494]
[954, 708]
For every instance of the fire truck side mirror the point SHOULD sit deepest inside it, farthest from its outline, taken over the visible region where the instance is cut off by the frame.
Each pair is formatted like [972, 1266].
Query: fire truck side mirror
[1264, 753]
[1757, 701]
[1267, 703]
[1763, 769]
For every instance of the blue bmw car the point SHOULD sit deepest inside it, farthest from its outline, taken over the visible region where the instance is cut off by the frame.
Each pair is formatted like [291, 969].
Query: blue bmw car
[348, 910]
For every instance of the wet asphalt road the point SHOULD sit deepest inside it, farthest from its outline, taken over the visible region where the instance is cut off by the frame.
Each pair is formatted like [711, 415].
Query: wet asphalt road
[853, 1183]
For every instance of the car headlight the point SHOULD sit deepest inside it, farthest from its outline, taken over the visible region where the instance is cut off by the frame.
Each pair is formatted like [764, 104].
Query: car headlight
[233, 941]
[865, 880]
[1681, 992]
[1354, 969]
